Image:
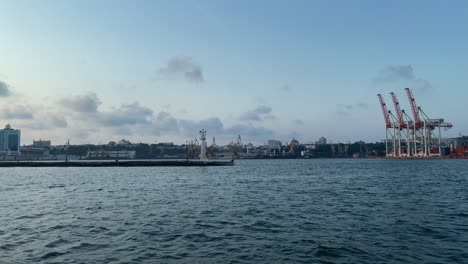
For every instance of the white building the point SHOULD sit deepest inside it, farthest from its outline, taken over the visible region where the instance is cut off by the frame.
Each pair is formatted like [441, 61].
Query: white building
[10, 140]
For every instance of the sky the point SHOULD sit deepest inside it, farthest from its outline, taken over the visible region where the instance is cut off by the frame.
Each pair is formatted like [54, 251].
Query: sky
[159, 71]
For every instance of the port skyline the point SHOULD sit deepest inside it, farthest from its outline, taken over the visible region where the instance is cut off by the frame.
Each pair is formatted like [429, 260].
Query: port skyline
[103, 76]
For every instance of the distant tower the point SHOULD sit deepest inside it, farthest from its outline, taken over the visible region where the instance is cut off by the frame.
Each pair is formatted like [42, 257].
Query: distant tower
[203, 144]
[10, 141]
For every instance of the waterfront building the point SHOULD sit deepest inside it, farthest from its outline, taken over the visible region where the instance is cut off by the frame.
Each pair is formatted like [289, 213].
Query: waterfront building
[111, 154]
[10, 140]
[322, 141]
[42, 143]
[458, 146]
[273, 144]
[34, 153]
[166, 144]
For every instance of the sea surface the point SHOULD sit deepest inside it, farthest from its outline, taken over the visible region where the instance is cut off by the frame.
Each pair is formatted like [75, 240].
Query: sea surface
[258, 211]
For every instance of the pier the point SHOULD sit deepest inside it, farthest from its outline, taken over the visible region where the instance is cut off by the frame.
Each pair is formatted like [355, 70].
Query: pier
[119, 163]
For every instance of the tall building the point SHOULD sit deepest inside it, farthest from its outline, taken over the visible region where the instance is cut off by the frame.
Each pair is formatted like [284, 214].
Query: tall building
[321, 141]
[10, 141]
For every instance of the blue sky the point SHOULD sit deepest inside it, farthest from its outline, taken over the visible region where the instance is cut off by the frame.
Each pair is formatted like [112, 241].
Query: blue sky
[161, 70]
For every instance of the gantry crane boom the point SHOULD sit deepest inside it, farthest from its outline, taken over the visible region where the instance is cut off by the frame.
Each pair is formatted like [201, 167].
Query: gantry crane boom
[401, 120]
[385, 111]
[414, 108]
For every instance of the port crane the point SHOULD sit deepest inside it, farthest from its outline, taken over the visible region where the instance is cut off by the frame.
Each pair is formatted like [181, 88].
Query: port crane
[389, 126]
[412, 137]
[405, 129]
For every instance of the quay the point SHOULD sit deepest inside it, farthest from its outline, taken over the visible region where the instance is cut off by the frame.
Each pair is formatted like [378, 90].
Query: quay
[118, 163]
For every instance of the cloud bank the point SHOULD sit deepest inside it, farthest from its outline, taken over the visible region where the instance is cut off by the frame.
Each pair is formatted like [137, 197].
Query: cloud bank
[88, 103]
[17, 112]
[126, 114]
[260, 113]
[82, 119]
[182, 67]
[348, 109]
[401, 74]
[4, 89]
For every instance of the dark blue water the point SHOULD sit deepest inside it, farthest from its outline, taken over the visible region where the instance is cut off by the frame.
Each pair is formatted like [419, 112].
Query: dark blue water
[265, 211]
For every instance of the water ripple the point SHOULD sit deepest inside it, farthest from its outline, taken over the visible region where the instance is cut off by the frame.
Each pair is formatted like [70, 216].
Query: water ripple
[264, 211]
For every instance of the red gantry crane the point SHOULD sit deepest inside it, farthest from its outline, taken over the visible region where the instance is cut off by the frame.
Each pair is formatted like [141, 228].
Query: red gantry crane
[385, 111]
[405, 126]
[414, 108]
[388, 125]
[401, 121]
[424, 130]
[420, 139]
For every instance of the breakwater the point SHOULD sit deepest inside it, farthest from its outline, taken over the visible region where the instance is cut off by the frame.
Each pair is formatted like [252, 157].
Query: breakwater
[118, 163]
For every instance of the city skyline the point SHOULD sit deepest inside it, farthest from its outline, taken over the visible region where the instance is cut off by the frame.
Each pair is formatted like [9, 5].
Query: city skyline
[160, 71]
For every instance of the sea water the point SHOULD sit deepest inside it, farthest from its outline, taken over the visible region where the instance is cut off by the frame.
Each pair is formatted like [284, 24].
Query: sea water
[258, 211]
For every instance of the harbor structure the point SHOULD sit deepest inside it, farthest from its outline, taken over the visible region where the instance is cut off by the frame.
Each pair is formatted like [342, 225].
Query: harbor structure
[118, 163]
[10, 140]
[458, 146]
[203, 144]
[417, 136]
[111, 154]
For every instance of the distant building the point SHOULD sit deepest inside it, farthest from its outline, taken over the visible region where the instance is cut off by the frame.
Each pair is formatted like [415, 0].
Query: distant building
[115, 154]
[458, 141]
[458, 146]
[321, 141]
[125, 143]
[42, 143]
[10, 140]
[166, 144]
[273, 144]
[293, 147]
[34, 153]
[310, 146]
